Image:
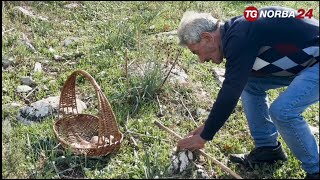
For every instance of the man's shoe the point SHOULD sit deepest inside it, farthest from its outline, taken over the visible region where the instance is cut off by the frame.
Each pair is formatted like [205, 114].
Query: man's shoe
[312, 176]
[260, 155]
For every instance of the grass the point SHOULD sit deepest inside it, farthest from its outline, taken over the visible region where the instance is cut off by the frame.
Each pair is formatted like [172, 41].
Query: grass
[108, 33]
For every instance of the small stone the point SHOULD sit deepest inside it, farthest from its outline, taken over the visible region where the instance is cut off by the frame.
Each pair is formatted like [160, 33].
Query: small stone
[52, 81]
[69, 41]
[26, 80]
[58, 57]
[37, 111]
[23, 88]
[200, 111]
[46, 62]
[152, 27]
[12, 105]
[71, 6]
[178, 75]
[15, 104]
[37, 67]
[28, 13]
[51, 50]
[6, 62]
[202, 174]
[45, 87]
[219, 74]
[6, 127]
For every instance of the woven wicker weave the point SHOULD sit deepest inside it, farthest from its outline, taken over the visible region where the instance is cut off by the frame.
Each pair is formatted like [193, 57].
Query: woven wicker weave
[75, 130]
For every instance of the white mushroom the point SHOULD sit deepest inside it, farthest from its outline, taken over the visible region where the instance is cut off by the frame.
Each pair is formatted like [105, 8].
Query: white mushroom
[94, 140]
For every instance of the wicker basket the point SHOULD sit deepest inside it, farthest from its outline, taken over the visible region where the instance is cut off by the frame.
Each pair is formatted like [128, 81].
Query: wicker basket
[77, 131]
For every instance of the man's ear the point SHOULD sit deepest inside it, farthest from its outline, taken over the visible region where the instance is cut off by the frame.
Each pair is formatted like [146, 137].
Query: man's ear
[207, 36]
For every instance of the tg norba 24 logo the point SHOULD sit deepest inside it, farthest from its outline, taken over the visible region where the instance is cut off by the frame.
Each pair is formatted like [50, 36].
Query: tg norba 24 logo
[251, 13]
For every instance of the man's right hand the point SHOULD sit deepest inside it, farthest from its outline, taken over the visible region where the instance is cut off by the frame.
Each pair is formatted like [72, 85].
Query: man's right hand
[196, 131]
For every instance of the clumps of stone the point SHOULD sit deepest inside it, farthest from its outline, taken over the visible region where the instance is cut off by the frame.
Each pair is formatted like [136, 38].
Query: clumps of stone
[37, 111]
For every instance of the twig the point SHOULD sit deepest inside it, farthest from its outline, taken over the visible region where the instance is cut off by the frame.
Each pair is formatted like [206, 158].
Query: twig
[189, 112]
[167, 61]
[127, 120]
[28, 141]
[126, 128]
[148, 136]
[56, 146]
[126, 65]
[131, 62]
[174, 63]
[139, 45]
[55, 168]
[26, 101]
[71, 168]
[225, 168]
[133, 141]
[159, 106]
[31, 91]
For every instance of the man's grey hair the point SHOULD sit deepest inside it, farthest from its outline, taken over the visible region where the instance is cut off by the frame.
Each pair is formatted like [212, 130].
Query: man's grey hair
[193, 24]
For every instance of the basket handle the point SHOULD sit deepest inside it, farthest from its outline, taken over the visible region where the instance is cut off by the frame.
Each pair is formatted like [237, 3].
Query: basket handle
[68, 104]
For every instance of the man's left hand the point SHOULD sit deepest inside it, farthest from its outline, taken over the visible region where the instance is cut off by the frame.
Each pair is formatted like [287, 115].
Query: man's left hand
[191, 143]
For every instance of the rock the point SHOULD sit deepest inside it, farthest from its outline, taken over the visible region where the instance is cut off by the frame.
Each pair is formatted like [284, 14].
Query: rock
[51, 50]
[152, 27]
[5, 90]
[71, 5]
[178, 75]
[12, 105]
[171, 37]
[6, 127]
[200, 111]
[102, 73]
[219, 74]
[23, 88]
[28, 13]
[37, 67]
[39, 110]
[58, 57]
[174, 32]
[6, 62]
[52, 81]
[45, 87]
[26, 40]
[26, 80]
[69, 41]
[202, 174]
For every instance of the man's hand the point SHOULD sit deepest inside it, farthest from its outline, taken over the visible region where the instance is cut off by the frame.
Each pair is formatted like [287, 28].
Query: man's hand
[196, 131]
[191, 143]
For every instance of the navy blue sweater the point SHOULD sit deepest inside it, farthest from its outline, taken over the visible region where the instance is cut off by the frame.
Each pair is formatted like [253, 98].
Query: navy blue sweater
[267, 46]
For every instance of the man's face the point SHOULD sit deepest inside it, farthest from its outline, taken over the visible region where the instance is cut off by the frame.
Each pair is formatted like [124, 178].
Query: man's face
[207, 49]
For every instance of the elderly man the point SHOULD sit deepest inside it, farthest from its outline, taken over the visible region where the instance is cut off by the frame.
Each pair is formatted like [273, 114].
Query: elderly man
[264, 54]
